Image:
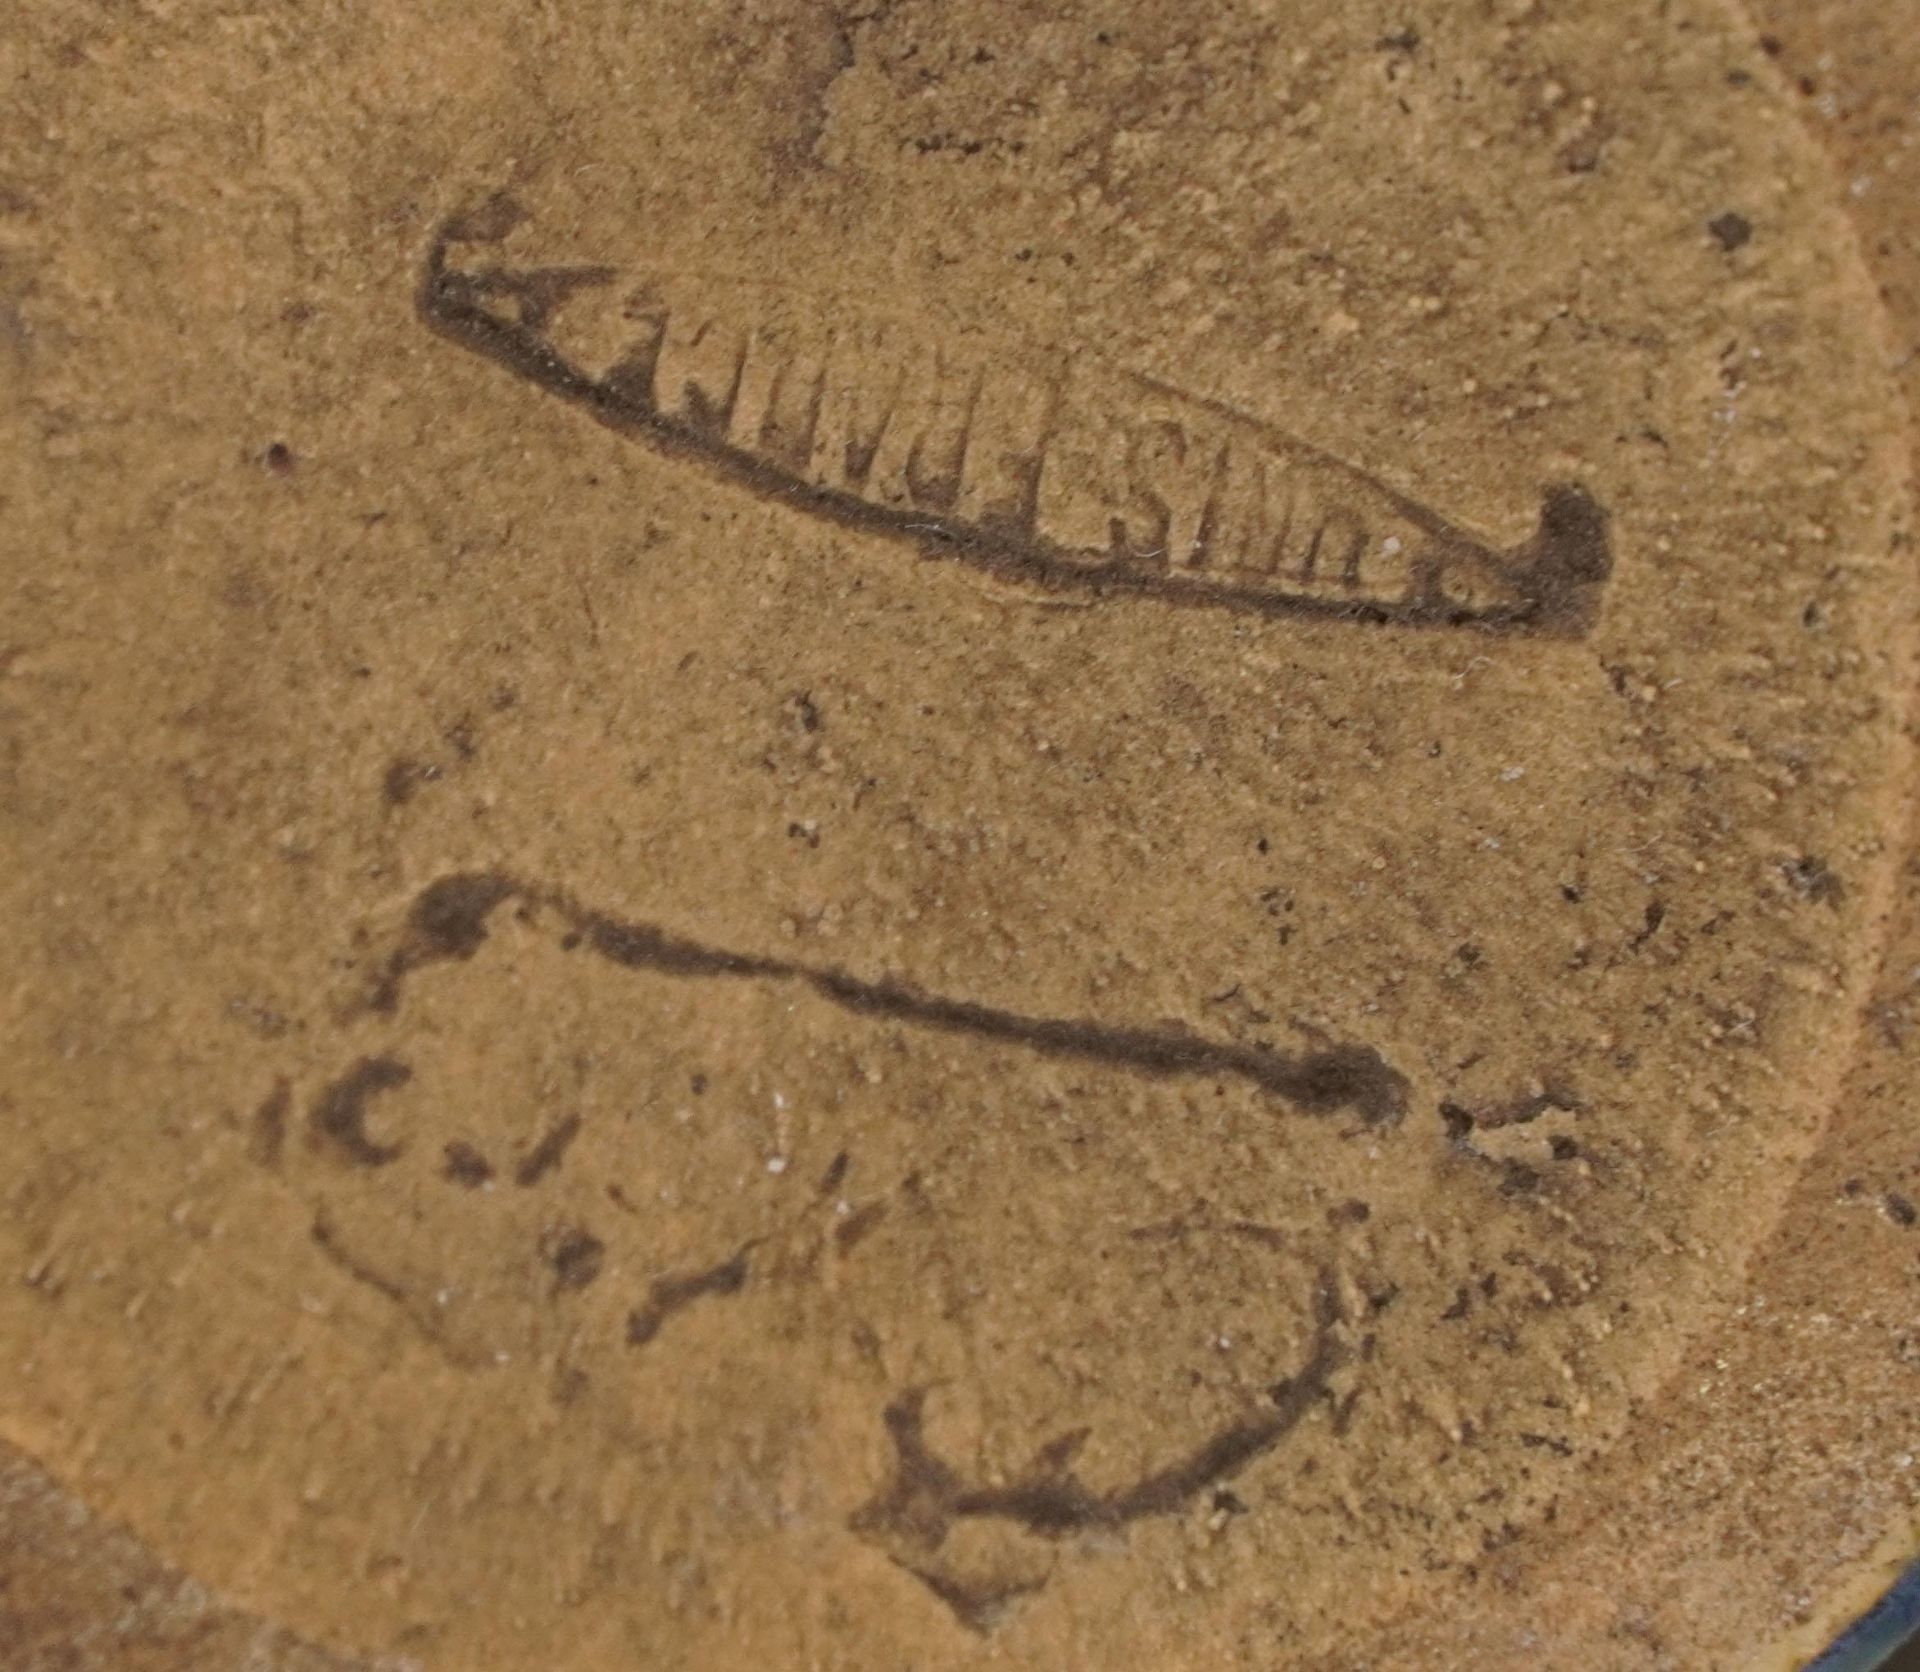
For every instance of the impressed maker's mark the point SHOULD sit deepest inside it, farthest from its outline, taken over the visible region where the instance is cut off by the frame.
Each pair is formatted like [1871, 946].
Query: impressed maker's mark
[1058, 473]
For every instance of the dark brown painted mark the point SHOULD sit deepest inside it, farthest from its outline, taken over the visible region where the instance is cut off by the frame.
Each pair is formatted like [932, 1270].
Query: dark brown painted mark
[465, 1166]
[549, 1152]
[670, 1294]
[1516, 1177]
[853, 1230]
[403, 778]
[1187, 501]
[1651, 919]
[1267, 1236]
[1731, 231]
[338, 1118]
[1462, 1122]
[1813, 879]
[1324, 1081]
[1318, 1082]
[269, 1138]
[912, 1517]
[575, 1255]
[448, 923]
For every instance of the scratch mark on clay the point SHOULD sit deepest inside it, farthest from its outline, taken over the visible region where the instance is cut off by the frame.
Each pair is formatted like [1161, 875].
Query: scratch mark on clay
[419, 1313]
[979, 1605]
[1201, 1222]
